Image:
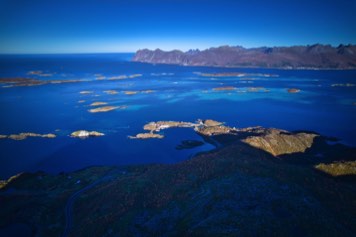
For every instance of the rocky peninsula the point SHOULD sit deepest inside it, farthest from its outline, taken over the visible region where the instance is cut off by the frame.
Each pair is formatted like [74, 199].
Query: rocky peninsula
[160, 125]
[338, 168]
[273, 141]
[278, 142]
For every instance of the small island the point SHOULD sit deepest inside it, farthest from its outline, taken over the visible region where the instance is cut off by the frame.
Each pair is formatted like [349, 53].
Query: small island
[130, 92]
[225, 88]
[257, 89]
[86, 92]
[98, 103]
[111, 92]
[103, 109]
[86, 134]
[146, 136]
[147, 91]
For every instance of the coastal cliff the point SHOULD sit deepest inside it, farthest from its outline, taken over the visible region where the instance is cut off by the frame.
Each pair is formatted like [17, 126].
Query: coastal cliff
[296, 57]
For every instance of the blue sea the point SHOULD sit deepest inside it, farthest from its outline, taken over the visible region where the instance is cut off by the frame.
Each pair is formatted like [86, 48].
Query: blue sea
[178, 93]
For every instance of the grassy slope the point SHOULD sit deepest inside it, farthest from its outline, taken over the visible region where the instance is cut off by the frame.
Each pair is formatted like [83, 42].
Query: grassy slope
[234, 190]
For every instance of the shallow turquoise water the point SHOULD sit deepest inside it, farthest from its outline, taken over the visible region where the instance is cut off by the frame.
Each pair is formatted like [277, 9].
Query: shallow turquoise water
[180, 93]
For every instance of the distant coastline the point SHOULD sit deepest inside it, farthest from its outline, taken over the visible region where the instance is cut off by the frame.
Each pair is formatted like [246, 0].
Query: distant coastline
[310, 57]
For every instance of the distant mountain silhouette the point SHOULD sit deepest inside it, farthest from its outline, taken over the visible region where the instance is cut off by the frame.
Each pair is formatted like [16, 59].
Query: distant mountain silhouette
[316, 56]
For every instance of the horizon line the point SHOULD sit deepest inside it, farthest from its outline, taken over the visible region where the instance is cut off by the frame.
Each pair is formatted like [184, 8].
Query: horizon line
[52, 53]
[167, 50]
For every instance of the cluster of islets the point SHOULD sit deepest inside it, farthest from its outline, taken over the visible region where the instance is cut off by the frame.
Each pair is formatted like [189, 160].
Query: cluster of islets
[120, 77]
[24, 135]
[114, 92]
[25, 81]
[76, 134]
[11, 82]
[250, 89]
[235, 74]
[273, 141]
[104, 107]
[343, 85]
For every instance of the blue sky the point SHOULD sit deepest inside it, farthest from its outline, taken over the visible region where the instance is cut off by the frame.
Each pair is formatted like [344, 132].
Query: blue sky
[77, 26]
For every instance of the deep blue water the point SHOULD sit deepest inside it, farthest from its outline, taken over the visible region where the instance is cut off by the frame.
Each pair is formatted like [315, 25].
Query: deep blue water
[180, 93]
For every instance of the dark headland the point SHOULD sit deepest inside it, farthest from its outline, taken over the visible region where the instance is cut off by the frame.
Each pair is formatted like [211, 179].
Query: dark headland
[315, 56]
[257, 182]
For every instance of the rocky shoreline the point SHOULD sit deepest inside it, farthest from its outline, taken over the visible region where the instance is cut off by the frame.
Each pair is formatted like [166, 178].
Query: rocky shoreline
[274, 141]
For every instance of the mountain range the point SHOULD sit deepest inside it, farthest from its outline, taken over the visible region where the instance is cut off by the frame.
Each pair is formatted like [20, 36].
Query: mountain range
[315, 56]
